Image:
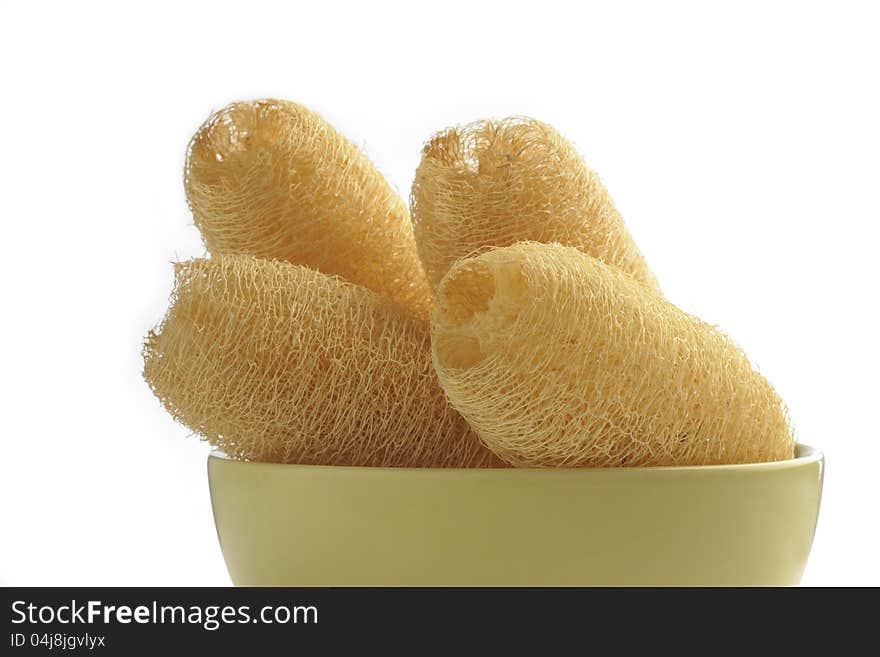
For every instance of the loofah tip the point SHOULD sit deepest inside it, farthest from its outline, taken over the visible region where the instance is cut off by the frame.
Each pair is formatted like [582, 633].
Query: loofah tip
[465, 291]
[272, 179]
[477, 301]
[496, 183]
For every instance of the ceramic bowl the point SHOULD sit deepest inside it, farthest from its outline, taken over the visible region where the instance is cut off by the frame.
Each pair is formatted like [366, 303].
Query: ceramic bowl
[302, 525]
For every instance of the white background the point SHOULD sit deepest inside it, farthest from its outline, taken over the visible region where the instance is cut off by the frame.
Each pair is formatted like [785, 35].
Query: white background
[742, 145]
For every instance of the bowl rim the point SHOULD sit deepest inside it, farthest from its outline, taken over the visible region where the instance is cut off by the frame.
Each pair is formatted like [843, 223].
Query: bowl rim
[804, 454]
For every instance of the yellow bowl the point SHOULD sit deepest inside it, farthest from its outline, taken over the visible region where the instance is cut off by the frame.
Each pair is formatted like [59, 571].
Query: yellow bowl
[298, 525]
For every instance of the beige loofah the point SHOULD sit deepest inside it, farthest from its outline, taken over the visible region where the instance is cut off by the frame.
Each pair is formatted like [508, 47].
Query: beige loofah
[271, 178]
[275, 362]
[495, 183]
[557, 359]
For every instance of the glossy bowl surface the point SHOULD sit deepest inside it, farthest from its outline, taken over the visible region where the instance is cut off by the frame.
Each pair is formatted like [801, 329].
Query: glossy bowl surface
[298, 525]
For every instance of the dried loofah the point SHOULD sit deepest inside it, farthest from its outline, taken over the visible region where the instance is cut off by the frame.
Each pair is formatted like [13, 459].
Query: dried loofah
[557, 359]
[495, 183]
[276, 362]
[271, 178]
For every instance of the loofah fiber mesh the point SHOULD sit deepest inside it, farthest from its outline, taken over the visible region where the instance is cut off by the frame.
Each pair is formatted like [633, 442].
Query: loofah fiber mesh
[557, 359]
[276, 362]
[271, 178]
[495, 183]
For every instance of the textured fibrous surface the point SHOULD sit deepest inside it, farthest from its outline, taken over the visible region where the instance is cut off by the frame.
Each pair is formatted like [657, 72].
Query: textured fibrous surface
[495, 183]
[557, 359]
[276, 362]
[271, 178]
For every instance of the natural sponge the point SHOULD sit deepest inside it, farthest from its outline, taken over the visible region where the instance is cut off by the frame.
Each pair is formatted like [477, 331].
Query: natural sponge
[276, 362]
[495, 183]
[271, 178]
[557, 359]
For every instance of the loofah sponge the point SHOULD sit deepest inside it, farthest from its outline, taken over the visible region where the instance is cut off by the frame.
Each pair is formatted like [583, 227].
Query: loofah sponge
[557, 359]
[276, 362]
[271, 178]
[495, 183]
